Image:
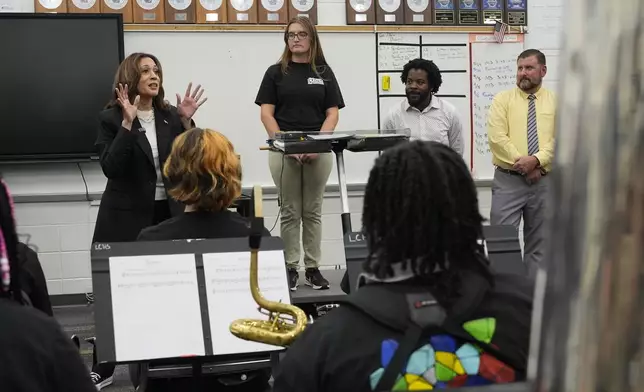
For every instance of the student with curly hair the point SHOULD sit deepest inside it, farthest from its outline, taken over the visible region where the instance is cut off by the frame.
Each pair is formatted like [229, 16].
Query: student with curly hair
[426, 262]
[204, 174]
[427, 116]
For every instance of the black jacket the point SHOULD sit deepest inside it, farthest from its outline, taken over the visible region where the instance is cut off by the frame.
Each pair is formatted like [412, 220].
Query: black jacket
[127, 204]
[32, 279]
[35, 354]
[348, 350]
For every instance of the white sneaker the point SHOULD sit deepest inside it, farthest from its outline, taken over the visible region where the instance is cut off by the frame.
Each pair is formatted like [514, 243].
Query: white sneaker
[101, 382]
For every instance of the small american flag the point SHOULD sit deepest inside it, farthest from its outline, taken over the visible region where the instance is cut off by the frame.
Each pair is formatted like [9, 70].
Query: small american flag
[500, 29]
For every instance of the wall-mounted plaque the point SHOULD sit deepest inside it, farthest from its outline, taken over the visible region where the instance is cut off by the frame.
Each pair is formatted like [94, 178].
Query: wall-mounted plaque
[360, 12]
[444, 12]
[273, 11]
[304, 8]
[389, 12]
[180, 11]
[469, 13]
[417, 12]
[492, 11]
[516, 12]
[211, 11]
[83, 6]
[123, 7]
[242, 11]
[149, 11]
[45, 6]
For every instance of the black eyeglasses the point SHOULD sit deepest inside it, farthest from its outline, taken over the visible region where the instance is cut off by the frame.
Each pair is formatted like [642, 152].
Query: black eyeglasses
[301, 35]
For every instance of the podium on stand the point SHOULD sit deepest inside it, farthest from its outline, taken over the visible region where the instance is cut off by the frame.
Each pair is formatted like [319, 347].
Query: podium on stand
[338, 142]
[170, 303]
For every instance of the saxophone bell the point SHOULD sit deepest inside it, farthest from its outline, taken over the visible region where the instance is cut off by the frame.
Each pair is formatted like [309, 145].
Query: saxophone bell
[285, 322]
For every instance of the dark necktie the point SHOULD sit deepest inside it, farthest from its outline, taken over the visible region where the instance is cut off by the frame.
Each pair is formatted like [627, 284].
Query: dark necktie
[533, 136]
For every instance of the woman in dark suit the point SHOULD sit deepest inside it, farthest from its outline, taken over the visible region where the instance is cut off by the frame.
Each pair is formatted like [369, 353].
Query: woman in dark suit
[134, 139]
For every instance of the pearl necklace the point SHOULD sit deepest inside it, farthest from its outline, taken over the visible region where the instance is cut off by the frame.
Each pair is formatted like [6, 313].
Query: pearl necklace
[145, 116]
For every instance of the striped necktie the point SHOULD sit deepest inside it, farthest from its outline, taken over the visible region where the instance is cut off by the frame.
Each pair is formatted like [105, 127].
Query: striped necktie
[533, 137]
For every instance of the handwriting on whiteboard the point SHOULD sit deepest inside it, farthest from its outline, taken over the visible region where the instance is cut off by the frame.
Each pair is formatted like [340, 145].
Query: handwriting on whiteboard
[448, 57]
[489, 77]
[392, 37]
[394, 57]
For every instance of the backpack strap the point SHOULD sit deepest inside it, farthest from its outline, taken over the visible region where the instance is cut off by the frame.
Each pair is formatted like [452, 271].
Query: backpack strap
[424, 313]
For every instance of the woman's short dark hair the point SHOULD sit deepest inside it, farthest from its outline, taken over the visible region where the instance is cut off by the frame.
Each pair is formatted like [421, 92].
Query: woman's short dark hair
[203, 170]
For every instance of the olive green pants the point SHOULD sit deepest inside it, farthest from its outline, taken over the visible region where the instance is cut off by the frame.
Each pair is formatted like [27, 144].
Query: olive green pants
[301, 191]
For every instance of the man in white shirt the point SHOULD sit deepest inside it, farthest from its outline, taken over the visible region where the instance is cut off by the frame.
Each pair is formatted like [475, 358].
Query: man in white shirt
[428, 117]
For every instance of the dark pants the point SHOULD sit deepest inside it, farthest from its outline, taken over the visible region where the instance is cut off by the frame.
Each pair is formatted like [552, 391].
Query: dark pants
[161, 213]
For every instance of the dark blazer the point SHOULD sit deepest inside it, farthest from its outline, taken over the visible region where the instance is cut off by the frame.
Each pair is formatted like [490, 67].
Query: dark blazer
[127, 204]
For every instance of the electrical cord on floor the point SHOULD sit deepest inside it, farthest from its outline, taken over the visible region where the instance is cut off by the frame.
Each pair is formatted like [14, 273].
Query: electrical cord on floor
[84, 181]
[279, 195]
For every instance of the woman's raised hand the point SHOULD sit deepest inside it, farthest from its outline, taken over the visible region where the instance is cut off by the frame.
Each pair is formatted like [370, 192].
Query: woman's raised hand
[190, 102]
[129, 109]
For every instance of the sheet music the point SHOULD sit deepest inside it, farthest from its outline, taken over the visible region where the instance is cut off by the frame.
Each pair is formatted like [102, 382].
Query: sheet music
[330, 136]
[280, 145]
[229, 297]
[155, 304]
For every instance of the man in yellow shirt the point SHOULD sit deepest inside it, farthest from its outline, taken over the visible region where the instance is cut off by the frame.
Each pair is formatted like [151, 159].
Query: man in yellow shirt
[521, 134]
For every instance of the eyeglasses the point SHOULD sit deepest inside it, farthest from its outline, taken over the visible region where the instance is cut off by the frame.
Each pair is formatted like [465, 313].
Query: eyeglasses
[301, 35]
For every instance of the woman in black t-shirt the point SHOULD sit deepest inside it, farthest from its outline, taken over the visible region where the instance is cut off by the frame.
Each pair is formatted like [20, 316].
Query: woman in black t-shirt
[300, 93]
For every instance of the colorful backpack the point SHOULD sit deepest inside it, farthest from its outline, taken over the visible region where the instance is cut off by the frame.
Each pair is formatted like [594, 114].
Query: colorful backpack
[438, 351]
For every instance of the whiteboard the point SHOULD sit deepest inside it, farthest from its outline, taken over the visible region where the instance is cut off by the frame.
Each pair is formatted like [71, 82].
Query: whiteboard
[474, 67]
[231, 75]
[447, 57]
[450, 53]
[493, 70]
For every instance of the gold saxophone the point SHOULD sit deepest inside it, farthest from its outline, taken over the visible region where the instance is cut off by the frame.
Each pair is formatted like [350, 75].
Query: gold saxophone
[285, 322]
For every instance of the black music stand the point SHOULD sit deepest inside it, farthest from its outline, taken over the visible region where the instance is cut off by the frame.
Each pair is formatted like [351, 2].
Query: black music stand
[198, 365]
[337, 142]
[504, 249]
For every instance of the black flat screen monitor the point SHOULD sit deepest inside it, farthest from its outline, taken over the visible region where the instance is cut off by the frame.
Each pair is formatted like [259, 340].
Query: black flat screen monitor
[56, 75]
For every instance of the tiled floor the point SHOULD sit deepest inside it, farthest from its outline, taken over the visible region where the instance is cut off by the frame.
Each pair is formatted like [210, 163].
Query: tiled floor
[79, 320]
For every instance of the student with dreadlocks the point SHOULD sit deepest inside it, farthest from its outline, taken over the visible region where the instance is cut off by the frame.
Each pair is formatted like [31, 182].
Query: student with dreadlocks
[35, 355]
[429, 313]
